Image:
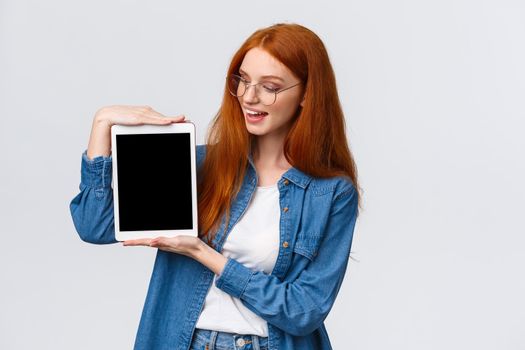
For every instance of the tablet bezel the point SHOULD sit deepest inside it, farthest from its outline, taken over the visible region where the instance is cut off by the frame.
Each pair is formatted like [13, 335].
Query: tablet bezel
[184, 127]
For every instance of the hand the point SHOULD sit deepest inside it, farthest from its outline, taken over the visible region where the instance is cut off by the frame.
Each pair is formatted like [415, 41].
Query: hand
[133, 115]
[100, 139]
[190, 246]
[183, 244]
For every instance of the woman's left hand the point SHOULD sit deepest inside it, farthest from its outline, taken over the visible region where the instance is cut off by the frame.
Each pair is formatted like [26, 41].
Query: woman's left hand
[186, 245]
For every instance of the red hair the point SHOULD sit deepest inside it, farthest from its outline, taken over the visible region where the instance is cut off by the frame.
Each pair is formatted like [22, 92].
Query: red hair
[321, 118]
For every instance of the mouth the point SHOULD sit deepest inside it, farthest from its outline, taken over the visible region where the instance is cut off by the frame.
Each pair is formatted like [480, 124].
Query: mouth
[254, 115]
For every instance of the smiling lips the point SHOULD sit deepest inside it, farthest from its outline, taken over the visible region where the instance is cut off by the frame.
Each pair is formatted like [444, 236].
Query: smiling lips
[255, 116]
[254, 112]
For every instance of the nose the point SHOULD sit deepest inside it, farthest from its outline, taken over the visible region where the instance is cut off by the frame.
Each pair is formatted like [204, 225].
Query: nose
[250, 95]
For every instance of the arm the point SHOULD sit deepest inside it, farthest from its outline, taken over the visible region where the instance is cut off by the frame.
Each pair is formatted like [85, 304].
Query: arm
[299, 307]
[92, 209]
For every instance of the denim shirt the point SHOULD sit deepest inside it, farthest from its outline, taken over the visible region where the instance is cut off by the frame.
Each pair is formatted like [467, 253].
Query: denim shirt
[316, 229]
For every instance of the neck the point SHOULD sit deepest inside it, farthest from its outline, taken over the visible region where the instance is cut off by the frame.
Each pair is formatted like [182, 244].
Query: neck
[269, 152]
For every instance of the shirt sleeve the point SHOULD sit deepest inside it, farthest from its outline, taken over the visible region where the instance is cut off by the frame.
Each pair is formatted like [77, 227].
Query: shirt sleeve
[299, 307]
[92, 208]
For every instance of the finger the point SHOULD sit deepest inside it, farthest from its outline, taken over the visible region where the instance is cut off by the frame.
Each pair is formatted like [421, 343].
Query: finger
[149, 112]
[172, 120]
[177, 119]
[137, 242]
[159, 242]
[149, 116]
[157, 118]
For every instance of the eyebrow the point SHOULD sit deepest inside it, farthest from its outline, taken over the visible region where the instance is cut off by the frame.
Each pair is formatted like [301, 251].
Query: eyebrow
[264, 76]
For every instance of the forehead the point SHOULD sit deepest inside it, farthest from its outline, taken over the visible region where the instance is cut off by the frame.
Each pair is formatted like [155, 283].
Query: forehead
[258, 62]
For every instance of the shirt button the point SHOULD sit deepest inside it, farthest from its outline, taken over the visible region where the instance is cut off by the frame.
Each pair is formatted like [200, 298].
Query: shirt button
[285, 209]
[285, 244]
[240, 342]
[286, 182]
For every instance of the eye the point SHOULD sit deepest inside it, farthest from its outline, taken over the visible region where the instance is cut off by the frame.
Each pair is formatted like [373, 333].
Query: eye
[270, 88]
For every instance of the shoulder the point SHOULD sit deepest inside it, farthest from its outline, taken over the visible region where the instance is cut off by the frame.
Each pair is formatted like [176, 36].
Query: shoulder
[337, 186]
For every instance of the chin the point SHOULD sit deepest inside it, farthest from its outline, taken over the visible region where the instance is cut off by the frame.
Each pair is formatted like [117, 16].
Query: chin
[255, 131]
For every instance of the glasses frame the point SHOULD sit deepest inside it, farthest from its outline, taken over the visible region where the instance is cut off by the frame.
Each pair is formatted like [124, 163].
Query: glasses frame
[246, 86]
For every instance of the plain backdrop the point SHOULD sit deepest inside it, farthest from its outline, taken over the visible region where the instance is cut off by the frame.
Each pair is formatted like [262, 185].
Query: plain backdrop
[433, 94]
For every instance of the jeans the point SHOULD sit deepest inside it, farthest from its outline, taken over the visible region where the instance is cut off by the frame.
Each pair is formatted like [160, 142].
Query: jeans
[204, 339]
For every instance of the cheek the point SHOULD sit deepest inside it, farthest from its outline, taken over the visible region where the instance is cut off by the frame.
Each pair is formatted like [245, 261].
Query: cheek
[285, 110]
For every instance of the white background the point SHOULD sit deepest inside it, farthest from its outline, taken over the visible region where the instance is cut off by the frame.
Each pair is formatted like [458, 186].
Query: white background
[433, 93]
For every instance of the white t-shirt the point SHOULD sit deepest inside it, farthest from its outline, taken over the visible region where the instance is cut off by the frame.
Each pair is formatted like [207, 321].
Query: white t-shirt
[253, 242]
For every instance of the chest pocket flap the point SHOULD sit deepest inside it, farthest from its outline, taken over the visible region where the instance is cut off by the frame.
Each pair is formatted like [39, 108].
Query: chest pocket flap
[307, 244]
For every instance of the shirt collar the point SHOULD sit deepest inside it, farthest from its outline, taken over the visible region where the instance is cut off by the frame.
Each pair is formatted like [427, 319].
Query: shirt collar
[293, 174]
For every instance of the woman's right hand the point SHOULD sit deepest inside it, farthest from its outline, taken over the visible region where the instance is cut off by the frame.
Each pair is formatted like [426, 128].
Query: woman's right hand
[100, 139]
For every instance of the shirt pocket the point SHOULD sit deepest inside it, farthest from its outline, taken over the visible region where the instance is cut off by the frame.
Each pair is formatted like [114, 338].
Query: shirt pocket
[101, 192]
[307, 244]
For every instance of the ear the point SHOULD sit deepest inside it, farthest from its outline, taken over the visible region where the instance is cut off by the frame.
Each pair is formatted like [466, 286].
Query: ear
[302, 102]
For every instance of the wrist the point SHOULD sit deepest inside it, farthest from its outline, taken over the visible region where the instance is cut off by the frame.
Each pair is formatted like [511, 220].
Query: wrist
[210, 258]
[100, 139]
[100, 120]
[201, 250]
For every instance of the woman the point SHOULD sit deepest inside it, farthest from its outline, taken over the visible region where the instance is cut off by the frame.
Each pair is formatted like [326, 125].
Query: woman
[278, 200]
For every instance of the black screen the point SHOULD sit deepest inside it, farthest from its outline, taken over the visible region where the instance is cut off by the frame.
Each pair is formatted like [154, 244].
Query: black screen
[154, 182]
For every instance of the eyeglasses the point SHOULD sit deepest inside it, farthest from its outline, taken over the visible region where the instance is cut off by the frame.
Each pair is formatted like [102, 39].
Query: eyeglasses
[266, 93]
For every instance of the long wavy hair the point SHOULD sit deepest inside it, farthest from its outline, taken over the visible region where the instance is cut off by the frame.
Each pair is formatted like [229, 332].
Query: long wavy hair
[320, 118]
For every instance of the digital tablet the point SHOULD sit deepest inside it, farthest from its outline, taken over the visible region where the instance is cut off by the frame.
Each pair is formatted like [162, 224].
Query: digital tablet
[154, 180]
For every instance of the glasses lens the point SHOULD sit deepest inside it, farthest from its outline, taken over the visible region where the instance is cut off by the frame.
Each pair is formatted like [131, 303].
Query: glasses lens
[236, 88]
[266, 96]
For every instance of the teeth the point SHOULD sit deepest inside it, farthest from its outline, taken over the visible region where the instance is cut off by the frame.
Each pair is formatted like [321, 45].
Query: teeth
[254, 113]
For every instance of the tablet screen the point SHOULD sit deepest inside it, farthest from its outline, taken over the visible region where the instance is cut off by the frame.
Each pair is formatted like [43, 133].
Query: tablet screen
[154, 179]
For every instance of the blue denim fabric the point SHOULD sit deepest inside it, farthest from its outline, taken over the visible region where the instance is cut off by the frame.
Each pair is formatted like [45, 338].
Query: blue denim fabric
[316, 229]
[204, 339]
